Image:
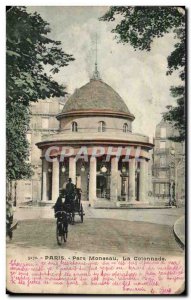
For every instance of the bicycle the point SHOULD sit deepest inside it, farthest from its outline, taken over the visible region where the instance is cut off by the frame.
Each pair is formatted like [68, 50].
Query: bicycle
[63, 219]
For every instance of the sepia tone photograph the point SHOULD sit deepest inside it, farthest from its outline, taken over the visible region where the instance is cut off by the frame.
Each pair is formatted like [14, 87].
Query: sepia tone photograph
[95, 149]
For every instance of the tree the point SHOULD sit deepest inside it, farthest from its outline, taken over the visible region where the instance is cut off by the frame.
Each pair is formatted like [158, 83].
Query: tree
[139, 26]
[18, 118]
[29, 51]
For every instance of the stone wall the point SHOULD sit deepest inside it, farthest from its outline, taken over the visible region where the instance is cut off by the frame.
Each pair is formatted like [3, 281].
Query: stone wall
[90, 123]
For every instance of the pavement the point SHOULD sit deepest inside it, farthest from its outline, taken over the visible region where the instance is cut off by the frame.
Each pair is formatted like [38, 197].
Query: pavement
[99, 235]
[179, 231]
[173, 217]
[156, 216]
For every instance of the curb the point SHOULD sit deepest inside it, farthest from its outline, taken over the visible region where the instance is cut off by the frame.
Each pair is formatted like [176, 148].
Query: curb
[14, 225]
[179, 232]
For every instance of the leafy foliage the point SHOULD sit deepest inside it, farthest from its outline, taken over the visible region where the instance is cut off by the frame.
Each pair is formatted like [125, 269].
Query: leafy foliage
[30, 52]
[139, 26]
[17, 145]
[176, 115]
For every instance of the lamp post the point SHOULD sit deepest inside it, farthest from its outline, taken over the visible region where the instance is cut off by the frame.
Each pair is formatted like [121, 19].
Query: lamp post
[104, 180]
[137, 177]
[49, 170]
[63, 169]
[82, 169]
[177, 163]
[103, 169]
[125, 183]
[123, 170]
[172, 200]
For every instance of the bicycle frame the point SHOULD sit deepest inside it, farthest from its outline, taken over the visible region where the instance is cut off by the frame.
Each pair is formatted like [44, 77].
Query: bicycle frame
[61, 226]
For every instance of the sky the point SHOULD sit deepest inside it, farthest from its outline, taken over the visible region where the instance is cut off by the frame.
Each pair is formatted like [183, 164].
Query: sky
[138, 76]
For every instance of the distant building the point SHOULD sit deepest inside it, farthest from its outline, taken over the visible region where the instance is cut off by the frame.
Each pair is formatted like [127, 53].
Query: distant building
[43, 121]
[168, 164]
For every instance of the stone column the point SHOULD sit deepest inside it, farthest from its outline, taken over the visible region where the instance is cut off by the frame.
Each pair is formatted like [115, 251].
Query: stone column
[150, 188]
[132, 180]
[143, 181]
[119, 183]
[72, 169]
[127, 188]
[146, 180]
[92, 179]
[55, 179]
[44, 179]
[114, 177]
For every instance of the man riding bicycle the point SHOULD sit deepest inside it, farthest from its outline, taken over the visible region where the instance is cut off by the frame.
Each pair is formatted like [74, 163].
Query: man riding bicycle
[65, 201]
[63, 218]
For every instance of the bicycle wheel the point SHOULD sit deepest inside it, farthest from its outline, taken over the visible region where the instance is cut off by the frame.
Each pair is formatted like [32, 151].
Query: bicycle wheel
[65, 232]
[82, 213]
[59, 234]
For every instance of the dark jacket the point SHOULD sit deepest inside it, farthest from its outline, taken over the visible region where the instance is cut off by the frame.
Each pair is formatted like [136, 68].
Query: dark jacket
[59, 206]
[70, 188]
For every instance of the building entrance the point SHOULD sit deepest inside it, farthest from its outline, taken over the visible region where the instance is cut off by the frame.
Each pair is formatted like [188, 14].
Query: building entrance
[103, 186]
[125, 188]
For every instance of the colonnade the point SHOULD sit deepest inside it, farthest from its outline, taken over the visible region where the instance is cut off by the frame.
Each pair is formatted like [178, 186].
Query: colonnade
[143, 178]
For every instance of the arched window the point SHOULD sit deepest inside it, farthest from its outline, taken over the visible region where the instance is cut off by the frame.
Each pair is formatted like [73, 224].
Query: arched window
[74, 126]
[101, 126]
[125, 127]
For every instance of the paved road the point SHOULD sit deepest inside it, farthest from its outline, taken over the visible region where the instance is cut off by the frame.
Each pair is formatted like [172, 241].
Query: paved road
[156, 216]
[99, 235]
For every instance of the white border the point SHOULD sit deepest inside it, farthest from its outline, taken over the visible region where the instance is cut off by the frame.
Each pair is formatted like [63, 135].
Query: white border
[4, 3]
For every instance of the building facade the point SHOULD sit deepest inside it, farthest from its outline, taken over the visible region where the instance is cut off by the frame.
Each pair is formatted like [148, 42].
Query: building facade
[43, 121]
[168, 167]
[96, 148]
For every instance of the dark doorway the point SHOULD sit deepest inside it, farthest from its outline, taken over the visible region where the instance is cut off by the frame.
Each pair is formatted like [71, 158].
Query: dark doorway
[103, 186]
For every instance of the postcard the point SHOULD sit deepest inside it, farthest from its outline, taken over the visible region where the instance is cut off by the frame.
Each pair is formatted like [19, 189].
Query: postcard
[96, 133]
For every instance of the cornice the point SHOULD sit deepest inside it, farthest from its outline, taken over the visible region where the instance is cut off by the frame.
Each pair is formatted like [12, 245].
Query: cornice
[100, 142]
[86, 113]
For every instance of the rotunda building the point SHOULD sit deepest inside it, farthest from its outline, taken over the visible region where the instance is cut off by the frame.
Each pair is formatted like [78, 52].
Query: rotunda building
[96, 148]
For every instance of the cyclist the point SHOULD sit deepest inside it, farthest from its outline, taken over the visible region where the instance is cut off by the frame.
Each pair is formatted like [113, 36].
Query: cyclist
[61, 213]
[59, 205]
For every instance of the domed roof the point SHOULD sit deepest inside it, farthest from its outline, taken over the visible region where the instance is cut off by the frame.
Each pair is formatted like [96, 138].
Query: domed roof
[95, 95]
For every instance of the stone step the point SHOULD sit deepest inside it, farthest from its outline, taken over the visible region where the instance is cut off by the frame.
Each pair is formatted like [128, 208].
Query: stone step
[126, 205]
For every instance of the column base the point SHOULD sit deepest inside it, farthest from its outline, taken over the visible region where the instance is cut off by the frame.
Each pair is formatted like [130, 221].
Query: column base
[143, 201]
[45, 200]
[92, 202]
[46, 203]
[113, 199]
